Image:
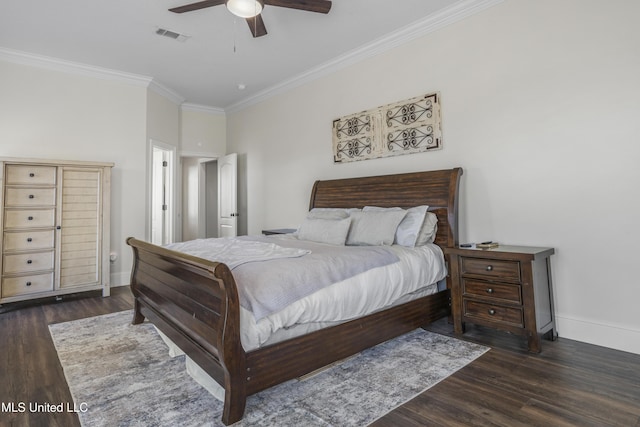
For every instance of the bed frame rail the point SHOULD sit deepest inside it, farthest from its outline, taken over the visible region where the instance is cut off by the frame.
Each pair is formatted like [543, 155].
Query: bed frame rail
[318, 349]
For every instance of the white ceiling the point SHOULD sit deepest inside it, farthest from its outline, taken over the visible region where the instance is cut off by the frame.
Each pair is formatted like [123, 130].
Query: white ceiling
[206, 69]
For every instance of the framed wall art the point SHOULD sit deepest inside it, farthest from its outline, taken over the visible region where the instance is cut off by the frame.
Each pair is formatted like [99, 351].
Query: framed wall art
[406, 127]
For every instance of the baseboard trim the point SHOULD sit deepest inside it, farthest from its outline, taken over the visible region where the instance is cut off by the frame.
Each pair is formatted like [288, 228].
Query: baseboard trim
[611, 336]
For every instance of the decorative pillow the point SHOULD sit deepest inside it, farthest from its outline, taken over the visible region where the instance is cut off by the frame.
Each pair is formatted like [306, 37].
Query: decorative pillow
[429, 229]
[409, 229]
[374, 228]
[330, 213]
[331, 231]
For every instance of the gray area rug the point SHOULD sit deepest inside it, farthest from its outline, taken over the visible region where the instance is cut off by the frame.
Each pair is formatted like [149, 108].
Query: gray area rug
[123, 376]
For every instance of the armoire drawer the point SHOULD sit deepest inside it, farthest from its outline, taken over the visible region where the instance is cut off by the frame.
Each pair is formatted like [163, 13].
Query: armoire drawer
[29, 218]
[28, 240]
[24, 285]
[25, 263]
[31, 174]
[29, 197]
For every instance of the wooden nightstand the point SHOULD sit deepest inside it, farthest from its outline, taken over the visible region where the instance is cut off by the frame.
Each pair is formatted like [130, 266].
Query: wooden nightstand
[507, 288]
[279, 231]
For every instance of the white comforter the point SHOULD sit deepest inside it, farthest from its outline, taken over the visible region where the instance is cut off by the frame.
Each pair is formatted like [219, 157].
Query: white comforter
[359, 295]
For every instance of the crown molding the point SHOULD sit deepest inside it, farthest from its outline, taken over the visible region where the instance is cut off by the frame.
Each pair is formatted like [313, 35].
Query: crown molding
[197, 108]
[55, 64]
[162, 90]
[454, 13]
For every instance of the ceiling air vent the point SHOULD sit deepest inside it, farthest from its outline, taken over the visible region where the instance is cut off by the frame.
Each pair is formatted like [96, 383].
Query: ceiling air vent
[172, 34]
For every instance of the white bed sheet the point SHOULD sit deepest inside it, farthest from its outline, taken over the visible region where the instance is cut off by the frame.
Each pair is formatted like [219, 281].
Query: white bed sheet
[357, 296]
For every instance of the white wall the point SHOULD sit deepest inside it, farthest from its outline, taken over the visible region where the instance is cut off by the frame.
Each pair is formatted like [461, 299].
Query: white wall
[203, 132]
[55, 115]
[163, 119]
[190, 192]
[540, 106]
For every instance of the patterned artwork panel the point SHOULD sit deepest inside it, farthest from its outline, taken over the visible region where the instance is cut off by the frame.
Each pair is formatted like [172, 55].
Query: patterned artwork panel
[410, 126]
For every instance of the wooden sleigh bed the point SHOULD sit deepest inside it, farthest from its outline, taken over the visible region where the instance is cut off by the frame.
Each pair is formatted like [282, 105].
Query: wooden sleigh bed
[195, 302]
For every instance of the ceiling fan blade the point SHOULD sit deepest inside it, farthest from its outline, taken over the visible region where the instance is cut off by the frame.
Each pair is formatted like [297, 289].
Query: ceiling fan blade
[256, 25]
[320, 6]
[196, 6]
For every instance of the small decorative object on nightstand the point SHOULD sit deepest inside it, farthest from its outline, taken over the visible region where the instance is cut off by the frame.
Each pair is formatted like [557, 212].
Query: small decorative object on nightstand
[507, 288]
[279, 231]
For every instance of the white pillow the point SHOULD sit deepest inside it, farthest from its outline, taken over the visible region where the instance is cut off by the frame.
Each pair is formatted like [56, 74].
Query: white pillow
[331, 231]
[331, 213]
[374, 228]
[409, 229]
[429, 229]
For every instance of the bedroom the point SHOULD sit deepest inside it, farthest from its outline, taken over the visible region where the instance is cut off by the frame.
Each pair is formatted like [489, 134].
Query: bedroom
[543, 119]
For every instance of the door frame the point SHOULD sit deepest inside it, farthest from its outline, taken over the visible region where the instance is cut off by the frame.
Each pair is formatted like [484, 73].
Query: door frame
[172, 193]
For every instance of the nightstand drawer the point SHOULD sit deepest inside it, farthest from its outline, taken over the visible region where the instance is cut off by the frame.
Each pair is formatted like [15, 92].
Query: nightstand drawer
[495, 313]
[498, 291]
[491, 268]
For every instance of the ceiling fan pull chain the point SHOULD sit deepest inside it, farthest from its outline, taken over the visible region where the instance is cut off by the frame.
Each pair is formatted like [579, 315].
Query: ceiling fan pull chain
[235, 26]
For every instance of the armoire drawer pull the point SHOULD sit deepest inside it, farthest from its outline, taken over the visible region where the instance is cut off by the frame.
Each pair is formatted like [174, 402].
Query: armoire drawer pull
[28, 283]
[31, 196]
[492, 311]
[29, 261]
[489, 290]
[29, 239]
[489, 268]
[30, 218]
[32, 174]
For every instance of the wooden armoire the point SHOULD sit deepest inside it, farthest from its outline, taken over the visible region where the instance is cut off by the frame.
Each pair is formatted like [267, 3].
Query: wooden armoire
[54, 219]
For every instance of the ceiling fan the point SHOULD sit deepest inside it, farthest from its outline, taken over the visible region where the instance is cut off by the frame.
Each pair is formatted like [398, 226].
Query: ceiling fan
[251, 9]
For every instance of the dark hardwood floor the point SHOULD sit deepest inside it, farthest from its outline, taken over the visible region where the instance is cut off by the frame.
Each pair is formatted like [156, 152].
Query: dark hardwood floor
[568, 384]
[29, 367]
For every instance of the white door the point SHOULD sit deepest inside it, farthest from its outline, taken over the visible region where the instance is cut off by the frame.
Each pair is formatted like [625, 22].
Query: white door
[227, 193]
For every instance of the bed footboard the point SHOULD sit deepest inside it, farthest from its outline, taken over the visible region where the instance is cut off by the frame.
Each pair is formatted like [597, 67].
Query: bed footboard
[195, 303]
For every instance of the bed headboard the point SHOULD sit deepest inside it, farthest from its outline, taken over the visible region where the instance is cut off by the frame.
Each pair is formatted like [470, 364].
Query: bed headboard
[438, 189]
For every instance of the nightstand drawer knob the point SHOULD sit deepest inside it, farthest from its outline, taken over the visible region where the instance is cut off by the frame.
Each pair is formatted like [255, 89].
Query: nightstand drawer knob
[492, 311]
[490, 290]
[489, 268]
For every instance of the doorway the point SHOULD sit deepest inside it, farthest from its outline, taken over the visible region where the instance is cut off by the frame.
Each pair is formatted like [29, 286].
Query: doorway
[209, 207]
[162, 158]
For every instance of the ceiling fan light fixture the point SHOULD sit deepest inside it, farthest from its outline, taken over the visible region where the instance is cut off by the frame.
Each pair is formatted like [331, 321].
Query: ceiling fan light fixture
[245, 8]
